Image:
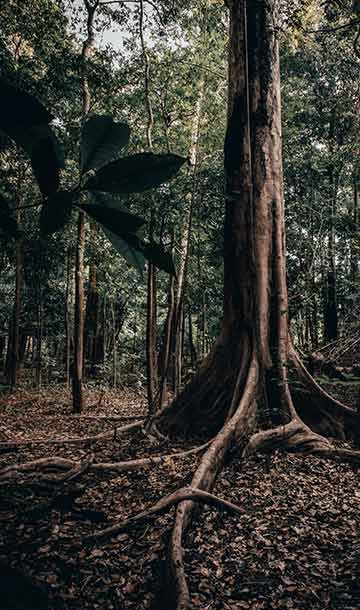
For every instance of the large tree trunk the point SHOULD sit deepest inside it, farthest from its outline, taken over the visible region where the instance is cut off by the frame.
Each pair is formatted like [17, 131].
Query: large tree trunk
[244, 382]
[255, 321]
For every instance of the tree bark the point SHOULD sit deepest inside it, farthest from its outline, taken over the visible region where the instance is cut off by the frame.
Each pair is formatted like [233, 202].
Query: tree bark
[13, 357]
[67, 319]
[255, 316]
[244, 379]
[78, 398]
[39, 340]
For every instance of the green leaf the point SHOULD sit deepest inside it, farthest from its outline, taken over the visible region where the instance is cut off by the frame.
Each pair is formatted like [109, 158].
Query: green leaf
[132, 255]
[56, 212]
[102, 139]
[8, 224]
[46, 156]
[45, 152]
[136, 173]
[5, 207]
[153, 252]
[109, 200]
[20, 110]
[156, 254]
[117, 221]
[46, 163]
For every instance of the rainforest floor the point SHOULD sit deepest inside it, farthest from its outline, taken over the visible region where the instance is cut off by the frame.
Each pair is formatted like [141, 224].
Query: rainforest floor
[297, 546]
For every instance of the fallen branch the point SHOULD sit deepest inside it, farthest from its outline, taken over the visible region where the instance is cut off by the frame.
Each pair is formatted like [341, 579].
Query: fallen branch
[78, 440]
[81, 417]
[162, 506]
[59, 463]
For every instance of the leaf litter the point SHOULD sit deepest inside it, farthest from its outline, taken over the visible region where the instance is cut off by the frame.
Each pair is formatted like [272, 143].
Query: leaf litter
[296, 547]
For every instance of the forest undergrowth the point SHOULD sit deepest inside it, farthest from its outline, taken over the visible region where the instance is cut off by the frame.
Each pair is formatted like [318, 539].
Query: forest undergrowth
[296, 545]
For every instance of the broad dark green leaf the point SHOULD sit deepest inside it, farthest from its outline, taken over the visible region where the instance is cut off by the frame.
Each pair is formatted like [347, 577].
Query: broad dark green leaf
[8, 224]
[5, 207]
[156, 254]
[46, 162]
[153, 252]
[5, 141]
[46, 156]
[102, 140]
[114, 202]
[20, 110]
[136, 173]
[56, 212]
[132, 255]
[117, 221]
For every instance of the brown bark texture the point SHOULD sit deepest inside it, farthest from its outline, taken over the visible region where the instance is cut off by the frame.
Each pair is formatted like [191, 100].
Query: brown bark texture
[77, 384]
[243, 393]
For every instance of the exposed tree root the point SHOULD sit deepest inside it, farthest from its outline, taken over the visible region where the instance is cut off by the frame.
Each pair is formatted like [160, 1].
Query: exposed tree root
[236, 429]
[320, 411]
[218, 384]
[78, 440]
[162, 506]
[296, 436]
[76, 472]
[81, 417]
[59, 463]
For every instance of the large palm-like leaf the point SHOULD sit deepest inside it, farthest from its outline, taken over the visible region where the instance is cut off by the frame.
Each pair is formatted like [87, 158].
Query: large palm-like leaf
[102, 140]
[136, 173]
[8, 224]
[20, 110]
[56, 212]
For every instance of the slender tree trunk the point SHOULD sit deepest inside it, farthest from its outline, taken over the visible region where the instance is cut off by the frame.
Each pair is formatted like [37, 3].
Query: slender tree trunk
[67, 319]
[77, 384]
[104, 331]
[192, 350]
[190, 199]
[164, 355]
[113, 317]
[78, 398]
[331, 309]
[39, 344]
[92, 318]
[151, 335]
[14, 335]
[151, 315]
[355, 241]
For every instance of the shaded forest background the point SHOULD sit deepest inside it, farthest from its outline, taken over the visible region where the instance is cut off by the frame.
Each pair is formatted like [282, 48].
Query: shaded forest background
[183, 51]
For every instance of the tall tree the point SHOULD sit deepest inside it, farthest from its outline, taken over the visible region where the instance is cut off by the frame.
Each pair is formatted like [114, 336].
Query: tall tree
[245, 377]
[77, 383]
